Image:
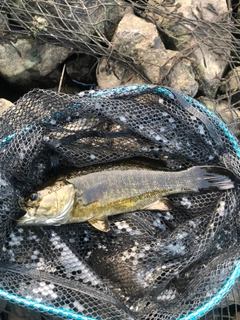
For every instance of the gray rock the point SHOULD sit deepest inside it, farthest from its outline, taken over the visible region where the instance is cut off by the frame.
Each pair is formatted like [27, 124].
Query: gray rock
[94, 20]
[27, 64]
[82, 69]
[85, 25]
[16, 312]
[194, 28]
[75, 23]
[3, 23]
[231, 86]
[182, 78]
[112, 74]
[139, 40]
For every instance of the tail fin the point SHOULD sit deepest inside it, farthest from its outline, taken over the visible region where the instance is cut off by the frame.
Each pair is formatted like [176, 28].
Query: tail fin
[214, 178]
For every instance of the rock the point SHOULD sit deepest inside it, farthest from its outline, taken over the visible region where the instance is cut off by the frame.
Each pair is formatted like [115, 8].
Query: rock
[112, 74]
[224, 111]
[82, 69]
[194, 28]
[3, 23]
[75, 23]
[96, 18]
[139, 40]
[27, 64]
[115, 12]
[167, 13]
[87, 25]
[15, 312]
[231, 86]
[4, 104]
[182, 78]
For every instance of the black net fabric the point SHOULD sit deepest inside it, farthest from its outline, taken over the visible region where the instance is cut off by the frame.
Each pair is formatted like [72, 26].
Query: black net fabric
[176, 264]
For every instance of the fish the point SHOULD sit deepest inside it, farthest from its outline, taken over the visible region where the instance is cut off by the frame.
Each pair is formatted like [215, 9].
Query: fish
[95, 196]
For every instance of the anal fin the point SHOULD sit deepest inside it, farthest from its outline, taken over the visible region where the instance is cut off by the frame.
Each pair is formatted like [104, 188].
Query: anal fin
[100, 223]
[162, 204]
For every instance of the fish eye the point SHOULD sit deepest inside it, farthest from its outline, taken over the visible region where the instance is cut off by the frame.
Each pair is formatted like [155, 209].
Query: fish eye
[33, 197]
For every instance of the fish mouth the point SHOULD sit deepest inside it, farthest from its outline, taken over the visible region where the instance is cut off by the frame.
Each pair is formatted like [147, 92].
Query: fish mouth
[31, 219]
[28, 220]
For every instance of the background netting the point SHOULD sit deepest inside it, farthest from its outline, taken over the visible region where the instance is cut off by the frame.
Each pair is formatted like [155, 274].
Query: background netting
[87, 26]
[161, 265]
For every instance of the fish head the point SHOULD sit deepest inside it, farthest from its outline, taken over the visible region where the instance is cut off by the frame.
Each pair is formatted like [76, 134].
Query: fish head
[49, 206]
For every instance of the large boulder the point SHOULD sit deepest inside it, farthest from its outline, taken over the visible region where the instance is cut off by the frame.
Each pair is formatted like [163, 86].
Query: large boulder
[27, 64]
[199, 30]
[73, 23]
[138, 40]
[37, 36]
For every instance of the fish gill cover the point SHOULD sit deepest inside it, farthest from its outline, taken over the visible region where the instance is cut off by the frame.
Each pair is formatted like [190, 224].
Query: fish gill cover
[151, 265]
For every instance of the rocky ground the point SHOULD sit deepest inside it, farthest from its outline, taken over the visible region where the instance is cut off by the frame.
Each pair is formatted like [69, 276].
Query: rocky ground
[190, 46]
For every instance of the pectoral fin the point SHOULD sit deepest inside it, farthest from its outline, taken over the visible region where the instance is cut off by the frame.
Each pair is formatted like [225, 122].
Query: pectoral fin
[93, 194]
[100, 223]
[163, 204]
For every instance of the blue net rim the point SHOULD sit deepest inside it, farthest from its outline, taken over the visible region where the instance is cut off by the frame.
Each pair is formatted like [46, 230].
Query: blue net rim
[200, 311]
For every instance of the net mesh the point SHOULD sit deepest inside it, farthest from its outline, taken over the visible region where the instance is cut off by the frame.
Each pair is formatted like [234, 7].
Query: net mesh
[168, 265]
[149, 266]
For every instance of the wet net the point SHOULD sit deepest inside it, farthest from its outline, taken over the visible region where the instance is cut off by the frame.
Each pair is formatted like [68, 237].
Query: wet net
[174, 265]
[208, 33]
[177, 264]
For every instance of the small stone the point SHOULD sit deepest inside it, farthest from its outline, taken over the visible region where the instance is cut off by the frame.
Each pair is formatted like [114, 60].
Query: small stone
[4, 105]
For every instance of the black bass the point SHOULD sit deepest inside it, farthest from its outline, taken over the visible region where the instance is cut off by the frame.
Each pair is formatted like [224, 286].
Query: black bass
[95, 196]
